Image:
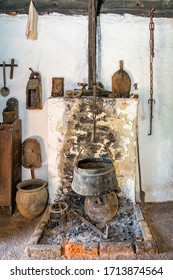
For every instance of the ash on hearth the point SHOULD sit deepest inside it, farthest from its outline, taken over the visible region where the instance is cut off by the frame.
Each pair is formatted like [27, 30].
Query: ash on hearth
[123, 227]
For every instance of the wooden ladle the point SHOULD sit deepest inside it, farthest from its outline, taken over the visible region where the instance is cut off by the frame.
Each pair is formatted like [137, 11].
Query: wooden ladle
[4, 90]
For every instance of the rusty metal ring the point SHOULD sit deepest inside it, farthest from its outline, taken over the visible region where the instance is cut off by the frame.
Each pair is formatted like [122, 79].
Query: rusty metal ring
[58, 207]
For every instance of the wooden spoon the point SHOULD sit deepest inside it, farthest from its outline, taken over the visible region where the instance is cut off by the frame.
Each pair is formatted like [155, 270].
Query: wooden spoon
[4, 90]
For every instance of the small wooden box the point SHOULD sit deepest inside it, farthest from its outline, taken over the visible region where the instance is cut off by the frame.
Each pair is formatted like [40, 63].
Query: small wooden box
[9, 116]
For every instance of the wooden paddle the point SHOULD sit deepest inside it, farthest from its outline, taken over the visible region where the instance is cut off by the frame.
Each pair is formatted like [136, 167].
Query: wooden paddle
[121, 83]
[31, 155]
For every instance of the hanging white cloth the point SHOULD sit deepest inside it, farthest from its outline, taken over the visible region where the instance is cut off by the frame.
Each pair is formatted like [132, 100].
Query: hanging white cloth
[31, 29]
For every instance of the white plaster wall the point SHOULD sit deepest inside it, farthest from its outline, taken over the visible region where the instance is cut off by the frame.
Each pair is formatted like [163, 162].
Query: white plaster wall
[127, 37]
[61, 51]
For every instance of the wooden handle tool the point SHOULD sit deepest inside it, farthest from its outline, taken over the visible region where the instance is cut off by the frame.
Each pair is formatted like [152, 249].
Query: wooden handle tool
[12, 68]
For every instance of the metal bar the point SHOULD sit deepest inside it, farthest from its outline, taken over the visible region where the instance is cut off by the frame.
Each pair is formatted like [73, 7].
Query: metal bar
[98, 49]
[94, 113]
[151, 101]
[104, 235]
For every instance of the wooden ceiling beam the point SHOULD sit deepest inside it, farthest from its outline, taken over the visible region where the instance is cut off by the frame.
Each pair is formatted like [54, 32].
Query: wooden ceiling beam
[164, 8]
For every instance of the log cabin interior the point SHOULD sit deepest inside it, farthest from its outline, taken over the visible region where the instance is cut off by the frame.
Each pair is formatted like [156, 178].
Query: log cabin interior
[85, 129]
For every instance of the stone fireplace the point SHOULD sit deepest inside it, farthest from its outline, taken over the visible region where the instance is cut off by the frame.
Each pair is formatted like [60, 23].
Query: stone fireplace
[74, 234]
[70, 127]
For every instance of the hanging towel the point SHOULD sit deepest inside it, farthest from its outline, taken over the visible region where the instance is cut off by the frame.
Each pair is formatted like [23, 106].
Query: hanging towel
[31, 29]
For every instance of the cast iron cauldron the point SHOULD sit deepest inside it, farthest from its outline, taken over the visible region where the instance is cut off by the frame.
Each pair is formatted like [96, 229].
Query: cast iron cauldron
[94, 176]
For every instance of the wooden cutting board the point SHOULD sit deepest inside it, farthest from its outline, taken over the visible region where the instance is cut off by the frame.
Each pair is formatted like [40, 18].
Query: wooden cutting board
[121, 83]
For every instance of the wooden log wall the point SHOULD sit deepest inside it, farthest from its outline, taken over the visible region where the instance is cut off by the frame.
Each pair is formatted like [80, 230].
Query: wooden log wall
[164, 8]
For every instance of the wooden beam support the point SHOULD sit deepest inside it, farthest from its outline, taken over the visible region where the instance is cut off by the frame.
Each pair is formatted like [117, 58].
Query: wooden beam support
[163, 8]
[92, 23]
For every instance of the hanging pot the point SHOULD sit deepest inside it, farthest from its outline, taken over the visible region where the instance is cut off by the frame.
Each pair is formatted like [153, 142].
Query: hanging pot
[94, 175]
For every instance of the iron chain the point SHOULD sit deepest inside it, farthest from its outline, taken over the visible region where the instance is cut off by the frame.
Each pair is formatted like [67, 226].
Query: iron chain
[151, 101]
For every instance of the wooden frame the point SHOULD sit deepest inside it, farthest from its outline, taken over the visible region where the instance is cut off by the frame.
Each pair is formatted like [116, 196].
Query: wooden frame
[57, 87]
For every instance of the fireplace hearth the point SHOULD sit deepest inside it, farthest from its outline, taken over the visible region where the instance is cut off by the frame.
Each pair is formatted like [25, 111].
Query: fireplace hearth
[123, 227]
[76, 232]
[70, 238]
